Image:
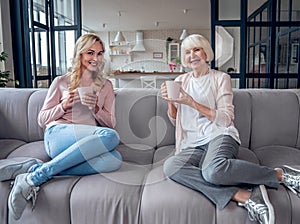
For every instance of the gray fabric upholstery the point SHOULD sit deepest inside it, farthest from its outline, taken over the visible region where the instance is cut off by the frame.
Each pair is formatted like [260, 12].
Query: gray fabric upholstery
[275, 116]
[268, 122]
[242, 121]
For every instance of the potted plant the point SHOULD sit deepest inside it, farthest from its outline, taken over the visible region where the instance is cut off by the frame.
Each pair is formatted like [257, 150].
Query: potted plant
[4, 75]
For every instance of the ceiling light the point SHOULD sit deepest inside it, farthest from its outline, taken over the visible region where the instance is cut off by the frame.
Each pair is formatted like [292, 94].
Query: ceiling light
[156, 23]
[119, 37]
[184, 34]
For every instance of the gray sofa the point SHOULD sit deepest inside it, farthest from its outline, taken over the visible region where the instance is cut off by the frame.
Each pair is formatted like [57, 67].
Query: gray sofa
[269, 125]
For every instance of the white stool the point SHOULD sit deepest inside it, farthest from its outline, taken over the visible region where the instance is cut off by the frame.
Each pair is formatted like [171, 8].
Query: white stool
[148, 81]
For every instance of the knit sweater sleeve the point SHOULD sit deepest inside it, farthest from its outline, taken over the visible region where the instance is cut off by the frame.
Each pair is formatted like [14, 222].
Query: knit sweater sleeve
[224, 101]
[52, 108]
[106, 103]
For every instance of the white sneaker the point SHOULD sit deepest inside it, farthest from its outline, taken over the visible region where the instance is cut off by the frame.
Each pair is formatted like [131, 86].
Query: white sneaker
[19, 196]
[259, 206]
[291, 179]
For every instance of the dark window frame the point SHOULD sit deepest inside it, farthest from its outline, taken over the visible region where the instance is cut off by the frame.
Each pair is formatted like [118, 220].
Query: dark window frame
[25, 71]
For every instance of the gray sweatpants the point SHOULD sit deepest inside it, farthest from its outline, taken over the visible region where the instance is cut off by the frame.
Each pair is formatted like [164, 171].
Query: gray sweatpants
[214, 170]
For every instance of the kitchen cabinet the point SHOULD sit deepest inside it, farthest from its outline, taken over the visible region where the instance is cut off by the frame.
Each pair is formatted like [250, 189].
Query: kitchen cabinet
[173, 51]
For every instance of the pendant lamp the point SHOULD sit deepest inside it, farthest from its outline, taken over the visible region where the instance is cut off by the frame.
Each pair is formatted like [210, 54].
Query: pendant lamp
[119, 37]
[184, 34]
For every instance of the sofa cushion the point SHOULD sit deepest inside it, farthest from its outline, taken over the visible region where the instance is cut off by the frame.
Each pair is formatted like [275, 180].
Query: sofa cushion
[275, 118]
[163, 153]
[32, 149]
[136, 153]
[164, 129]
[35, 104]
[165, 201]
[5, 189]
[242, 115]
[109, 197]
[297, 92]
[14, 113]
[135, 114]
[248, 155]
[53, 203]
[274, 156]
[9, 145]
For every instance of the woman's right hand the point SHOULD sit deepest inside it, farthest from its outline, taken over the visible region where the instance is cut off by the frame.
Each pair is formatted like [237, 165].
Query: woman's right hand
[172, 110]
[71, 99]
[163, 90]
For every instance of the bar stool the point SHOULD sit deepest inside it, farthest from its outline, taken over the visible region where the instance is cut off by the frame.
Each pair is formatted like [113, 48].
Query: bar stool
[148, 81]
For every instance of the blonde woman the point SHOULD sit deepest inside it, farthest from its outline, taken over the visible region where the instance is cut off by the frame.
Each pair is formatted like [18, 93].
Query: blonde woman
[207, 141]
[79, 135]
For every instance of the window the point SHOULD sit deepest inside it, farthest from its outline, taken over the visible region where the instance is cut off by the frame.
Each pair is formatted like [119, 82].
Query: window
[49, 36]
[266, 36]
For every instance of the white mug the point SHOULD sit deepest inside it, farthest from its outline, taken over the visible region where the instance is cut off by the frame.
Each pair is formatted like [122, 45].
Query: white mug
[83, 91]
[173, 89]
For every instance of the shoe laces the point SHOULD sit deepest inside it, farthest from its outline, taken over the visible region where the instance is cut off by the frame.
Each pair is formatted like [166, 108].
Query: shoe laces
[292, 182]
[256, 211]
[32, 194]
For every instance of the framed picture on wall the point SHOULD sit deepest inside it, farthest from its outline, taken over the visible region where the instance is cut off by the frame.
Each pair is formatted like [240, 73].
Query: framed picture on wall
[157, 55]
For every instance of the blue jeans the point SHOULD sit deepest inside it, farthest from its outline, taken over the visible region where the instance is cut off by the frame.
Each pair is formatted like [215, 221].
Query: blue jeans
[214, 170]
[77, 150]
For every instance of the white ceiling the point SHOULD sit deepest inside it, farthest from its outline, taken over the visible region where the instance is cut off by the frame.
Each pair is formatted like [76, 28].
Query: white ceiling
[143, 14]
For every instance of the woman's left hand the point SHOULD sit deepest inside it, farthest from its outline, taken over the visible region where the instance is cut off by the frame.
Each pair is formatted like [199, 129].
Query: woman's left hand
[184, 98]
[90, 100]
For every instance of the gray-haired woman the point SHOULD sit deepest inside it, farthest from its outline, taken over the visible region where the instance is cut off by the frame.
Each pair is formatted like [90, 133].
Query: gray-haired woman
[207, 141]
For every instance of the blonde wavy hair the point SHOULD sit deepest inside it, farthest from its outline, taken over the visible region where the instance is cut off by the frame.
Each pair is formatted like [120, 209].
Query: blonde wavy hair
[82, 45]
[196, 40]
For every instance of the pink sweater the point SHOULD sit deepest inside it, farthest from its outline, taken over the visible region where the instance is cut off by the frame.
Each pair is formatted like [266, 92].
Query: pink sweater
[53, 113]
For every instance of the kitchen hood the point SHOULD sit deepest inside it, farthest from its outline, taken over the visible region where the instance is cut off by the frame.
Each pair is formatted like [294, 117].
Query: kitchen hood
[139, 42]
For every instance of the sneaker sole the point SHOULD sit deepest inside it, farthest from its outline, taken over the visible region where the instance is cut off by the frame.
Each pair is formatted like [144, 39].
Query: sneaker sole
[268, 203]
[292, 168]
[10, 168]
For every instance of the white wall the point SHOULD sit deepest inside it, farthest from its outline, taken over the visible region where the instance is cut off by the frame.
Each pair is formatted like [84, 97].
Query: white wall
[154, 41]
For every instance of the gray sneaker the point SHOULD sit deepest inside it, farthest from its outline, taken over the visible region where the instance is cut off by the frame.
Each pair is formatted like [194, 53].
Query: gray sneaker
[259, 206]
[10, 168]
[291, 179]
[19, 196]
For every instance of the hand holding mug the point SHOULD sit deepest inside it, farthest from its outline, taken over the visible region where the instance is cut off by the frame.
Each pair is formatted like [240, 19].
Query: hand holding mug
[69, 99]
[87, 96]
[163, 90]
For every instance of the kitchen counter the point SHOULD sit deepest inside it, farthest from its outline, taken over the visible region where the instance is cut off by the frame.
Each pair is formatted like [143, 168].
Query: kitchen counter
[147, 73]
[133, 79]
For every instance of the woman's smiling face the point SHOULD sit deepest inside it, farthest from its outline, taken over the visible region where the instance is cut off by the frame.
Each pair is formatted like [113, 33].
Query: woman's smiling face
[92, 58]
[195, 57]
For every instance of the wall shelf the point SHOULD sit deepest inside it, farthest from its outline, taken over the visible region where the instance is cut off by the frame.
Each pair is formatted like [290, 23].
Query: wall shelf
[120, 50]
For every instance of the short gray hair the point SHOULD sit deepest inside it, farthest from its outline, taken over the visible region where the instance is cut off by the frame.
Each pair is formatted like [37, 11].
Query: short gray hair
[196, 40]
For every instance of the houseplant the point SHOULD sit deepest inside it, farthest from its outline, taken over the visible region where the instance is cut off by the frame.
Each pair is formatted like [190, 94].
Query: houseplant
[4, 75]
